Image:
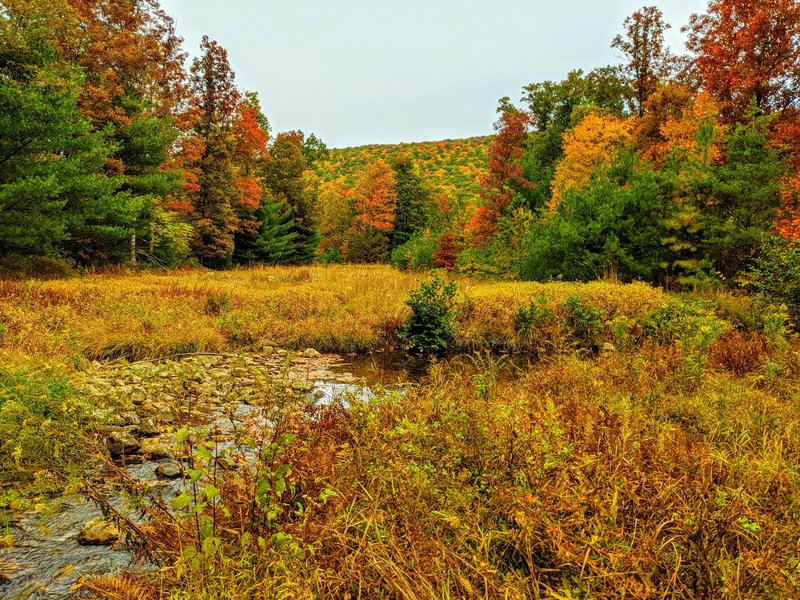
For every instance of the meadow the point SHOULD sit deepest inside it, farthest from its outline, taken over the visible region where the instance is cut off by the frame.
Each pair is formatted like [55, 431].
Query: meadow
[576, 441]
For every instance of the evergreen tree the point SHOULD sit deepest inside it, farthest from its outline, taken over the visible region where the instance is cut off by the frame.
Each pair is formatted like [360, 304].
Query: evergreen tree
[273, 244]
[284, 176]
[54, 186]
[414, 202]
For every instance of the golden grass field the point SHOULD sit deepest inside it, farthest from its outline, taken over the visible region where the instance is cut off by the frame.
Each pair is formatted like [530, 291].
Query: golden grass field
[335, 309]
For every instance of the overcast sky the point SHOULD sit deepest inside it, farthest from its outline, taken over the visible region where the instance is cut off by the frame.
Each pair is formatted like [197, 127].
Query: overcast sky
[371, 71]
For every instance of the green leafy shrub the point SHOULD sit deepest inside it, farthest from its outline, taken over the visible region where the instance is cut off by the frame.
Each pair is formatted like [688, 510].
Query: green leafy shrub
[775, 274]
[417, 253]
[584, 322]
[431, 328]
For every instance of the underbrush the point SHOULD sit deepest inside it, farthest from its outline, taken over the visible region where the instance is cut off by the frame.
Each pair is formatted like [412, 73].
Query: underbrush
[626, 475]
[42, 432]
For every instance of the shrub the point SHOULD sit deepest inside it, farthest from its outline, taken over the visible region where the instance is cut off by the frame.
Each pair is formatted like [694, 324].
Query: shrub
[417, 254]
[775, 274]
[15, 266]
[430, 329]
[585, 322]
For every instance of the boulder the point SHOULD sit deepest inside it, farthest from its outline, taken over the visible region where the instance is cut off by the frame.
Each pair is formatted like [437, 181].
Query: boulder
[148, 428]
[121, 442]
[169, 470]
[98, 532]
[156, 447]
[310, 353]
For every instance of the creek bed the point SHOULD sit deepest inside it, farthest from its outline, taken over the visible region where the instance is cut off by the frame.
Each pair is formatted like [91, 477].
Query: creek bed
[47, 559]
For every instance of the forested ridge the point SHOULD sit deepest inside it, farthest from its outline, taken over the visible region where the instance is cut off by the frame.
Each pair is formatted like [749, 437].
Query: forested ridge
[673, 167]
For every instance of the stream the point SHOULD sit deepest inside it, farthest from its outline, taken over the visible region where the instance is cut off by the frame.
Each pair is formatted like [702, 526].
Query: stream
[142, 400]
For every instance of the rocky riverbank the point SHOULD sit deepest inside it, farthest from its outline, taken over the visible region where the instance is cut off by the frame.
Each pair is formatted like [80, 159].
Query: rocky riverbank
[138, 408]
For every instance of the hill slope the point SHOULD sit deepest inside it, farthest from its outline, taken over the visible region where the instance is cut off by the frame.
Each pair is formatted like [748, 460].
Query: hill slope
[450, 166]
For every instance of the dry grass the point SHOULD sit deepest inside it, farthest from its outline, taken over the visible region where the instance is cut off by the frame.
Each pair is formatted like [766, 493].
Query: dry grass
[336, 309]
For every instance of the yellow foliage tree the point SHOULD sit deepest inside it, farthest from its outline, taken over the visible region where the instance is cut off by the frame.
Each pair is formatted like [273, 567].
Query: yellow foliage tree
[588, 147]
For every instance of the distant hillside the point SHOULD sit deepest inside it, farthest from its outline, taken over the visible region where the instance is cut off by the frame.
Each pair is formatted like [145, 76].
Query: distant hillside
[451, 166]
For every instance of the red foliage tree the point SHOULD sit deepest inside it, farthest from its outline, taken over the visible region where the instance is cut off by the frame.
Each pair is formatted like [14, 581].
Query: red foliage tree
[748, 50]
[505, 177]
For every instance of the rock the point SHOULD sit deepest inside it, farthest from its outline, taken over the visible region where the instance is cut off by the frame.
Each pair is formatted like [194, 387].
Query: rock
[609, 347]
[148, 428]
[129, 418]
[169, 470]
[166, 417]
[310, 353]
[268, 349]
[137, 396]
[319, 394]
[121, 442]
[156, 448]
[283, 353]
[98, 532]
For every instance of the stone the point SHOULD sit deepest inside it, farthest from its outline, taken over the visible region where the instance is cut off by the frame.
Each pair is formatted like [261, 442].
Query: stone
[98, 532]
[283, 353]
[169, 470]
[137, 396]
[310, 353]
[156, 448]
[166, 417]
[121, 442]
[148, 428]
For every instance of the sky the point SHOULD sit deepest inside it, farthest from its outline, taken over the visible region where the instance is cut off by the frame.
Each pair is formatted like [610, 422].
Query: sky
[375, 72]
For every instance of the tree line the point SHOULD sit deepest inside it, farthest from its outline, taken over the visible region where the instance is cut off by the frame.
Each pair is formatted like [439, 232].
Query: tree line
[672, 168]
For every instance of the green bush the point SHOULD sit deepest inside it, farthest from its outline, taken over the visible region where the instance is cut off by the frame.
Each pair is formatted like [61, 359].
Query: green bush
[584, 322]
[775, 274]
[42, 428]
[431, 328]
[417, 253]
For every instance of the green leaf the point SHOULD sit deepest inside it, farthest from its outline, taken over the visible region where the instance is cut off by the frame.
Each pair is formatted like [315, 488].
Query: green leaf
[181, 501]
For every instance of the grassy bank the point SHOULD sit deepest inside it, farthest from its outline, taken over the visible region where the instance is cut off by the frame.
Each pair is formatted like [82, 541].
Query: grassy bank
[335, 309]
[628, 475]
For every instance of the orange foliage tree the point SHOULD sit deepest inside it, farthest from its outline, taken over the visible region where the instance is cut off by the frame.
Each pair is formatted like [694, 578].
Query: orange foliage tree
[588, 147]
[375, 197]
[748, 50]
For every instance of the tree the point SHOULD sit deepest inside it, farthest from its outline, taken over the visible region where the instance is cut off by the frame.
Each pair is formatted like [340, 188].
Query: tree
[375, 197]
[643, 46]
[613, 226]
[335, 217]
[588, 147]
[748, 50]
[215, 100]
[554, 108]
[55, 189]
[505, 178]
[314, 149]
[375, 201]
[284, 177]
[721, 211]
[273, 242]
[414, 201]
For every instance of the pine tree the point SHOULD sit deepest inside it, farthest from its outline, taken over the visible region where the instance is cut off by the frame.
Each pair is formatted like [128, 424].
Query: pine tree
[414, 202]
[284, 177]
[273, 244]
